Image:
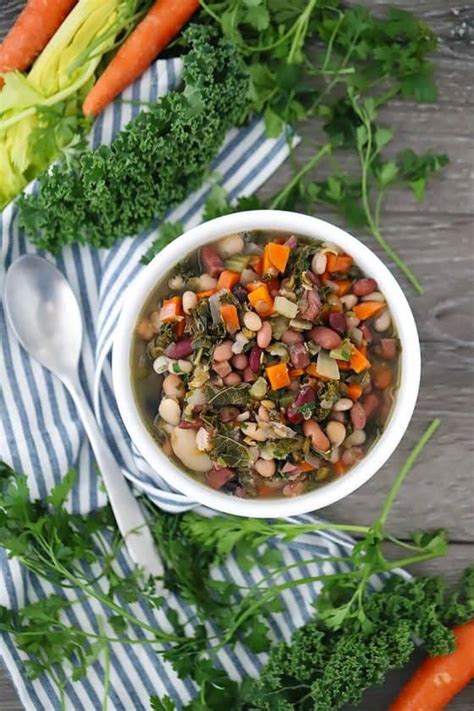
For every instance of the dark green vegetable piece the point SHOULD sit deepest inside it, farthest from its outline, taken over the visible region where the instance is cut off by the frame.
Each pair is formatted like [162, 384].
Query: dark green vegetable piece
[152, 165]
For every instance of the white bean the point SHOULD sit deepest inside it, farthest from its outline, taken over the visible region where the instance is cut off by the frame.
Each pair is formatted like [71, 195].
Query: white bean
[335, 455]
[160, 364]
[374, 296]
[319, 263]
[382, 323]
[336, 432]
[170, 411]
[176, 282]
[355, 439]
[349, 301]
[247, 276]
[343, 404]
[265, 467]
[252, 321]
[352, 321]
[230, 245]
[189, 301]
[206, 282]
[185, 366]
[185, 448]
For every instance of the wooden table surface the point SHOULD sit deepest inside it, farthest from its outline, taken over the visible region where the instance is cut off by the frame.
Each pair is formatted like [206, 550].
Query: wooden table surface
[437, 240]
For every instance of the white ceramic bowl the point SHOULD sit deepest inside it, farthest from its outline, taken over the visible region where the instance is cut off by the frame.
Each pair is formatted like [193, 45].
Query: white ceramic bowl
[312, 228]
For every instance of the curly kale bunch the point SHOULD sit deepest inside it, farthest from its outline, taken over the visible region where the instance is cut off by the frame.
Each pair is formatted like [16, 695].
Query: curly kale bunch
[324, 668]
[155, 161]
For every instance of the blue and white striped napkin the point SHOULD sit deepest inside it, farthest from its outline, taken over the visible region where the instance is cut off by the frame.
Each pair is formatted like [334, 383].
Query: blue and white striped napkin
[42, 436]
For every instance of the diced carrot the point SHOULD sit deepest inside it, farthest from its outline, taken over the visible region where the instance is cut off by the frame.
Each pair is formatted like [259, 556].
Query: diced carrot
[276, 255]
[261, 300]
[296, 372]
[179, 328]
[340, 263]
[312, 370]
[358, 361]
[339, 467]
[278, 375]
[382, 376]
[205, 294]
[228, 279]
[343, 365]
[264, 490]
[343, 286]
[354, 391]
[171, 309]
[306, 467]
[256, 263]
[267, 266]
[162, 22]
[368, 309]
[230, 316]
[253, 285]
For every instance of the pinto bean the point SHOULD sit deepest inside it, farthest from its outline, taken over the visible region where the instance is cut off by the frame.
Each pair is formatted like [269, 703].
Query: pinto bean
[336, 433]
[370, 404]
[223, 351]
[232, 379]
[240, 361]
[294, 488]
[388, 348]
[358, 416]
[362, 287]
[289, 337]
[366, 332]
[265, 467]
[173, 387]
[338, 323]
[319, 263]
[264, 336]
[222, 368]
[249, 375]
[342, 405]
[179, 349]
[325, 337]
[319, 440]
[189, 301]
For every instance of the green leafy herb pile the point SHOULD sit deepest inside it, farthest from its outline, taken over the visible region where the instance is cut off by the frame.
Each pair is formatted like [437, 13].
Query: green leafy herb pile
[152, 165]
[351, 643]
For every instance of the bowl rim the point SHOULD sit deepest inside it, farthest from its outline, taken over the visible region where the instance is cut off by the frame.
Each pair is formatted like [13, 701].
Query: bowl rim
[138, 292]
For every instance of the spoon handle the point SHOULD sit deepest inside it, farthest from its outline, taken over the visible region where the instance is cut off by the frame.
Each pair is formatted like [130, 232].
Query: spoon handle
[128, 514]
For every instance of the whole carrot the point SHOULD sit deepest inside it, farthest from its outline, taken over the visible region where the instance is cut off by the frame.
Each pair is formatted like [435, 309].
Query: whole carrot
[439, 679]
[31, 32]
[161, 24]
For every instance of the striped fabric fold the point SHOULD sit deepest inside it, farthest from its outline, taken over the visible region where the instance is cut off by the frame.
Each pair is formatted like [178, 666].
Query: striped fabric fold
[40, 433]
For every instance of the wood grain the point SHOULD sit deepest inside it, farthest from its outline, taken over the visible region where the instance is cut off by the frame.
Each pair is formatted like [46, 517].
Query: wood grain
[437, 239]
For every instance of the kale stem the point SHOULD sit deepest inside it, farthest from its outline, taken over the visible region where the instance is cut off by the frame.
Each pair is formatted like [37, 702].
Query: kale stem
[279, 197]
[408, 464]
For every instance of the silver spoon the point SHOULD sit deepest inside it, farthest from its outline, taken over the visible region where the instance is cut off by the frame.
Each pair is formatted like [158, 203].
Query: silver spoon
[45, 317]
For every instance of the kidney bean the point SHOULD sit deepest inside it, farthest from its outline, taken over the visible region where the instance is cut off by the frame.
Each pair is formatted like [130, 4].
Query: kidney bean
[232, 379]
[179, 349]
[289, 337]
[293, 416]
[240, 361]
[222, 368]
[388, 348]
[188, 425]
[218, 477]
[211, 261]
[249, 375]
[255, 358]
[223, 351]
[319, 440]
[325, 337]
[305, 397]
[370, 404]
[362, 287]
[358, 416]
[228, 413]
[337, 321]
[298, 355]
